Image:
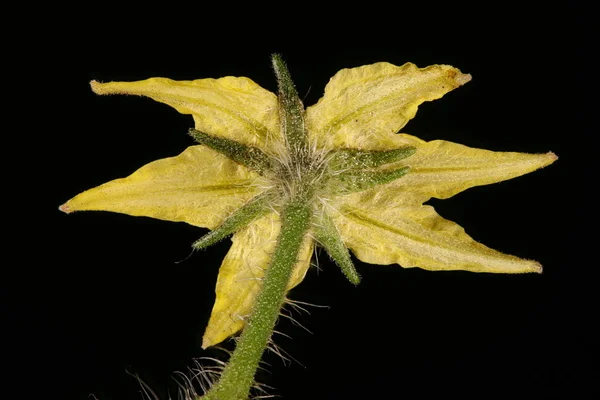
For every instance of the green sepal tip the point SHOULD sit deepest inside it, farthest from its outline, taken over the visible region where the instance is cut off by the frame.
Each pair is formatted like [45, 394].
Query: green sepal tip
[358, 159]
[252, 210]
[248, 156]
[291, 109]
[352, 181]
[329, 238]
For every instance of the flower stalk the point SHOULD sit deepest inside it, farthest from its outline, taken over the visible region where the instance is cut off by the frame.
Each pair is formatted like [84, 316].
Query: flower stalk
[238, 375]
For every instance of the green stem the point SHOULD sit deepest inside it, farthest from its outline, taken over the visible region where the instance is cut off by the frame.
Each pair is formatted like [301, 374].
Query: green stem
[238, 375]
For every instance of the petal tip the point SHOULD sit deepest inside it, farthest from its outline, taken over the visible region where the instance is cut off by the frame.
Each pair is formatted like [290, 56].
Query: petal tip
[207, 342]
[461, 79]
[65, 208]
[538, 268]
[99, 88]
[551, 156]
[95, 86]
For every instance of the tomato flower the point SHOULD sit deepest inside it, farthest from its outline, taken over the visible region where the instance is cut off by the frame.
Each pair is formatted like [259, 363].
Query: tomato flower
[364, 184]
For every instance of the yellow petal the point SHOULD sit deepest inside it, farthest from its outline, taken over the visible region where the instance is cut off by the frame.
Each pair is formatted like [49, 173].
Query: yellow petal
[235, 108]
[363, 107]
[416, 236]
[199, 186]
[442, 169]
[240, 277]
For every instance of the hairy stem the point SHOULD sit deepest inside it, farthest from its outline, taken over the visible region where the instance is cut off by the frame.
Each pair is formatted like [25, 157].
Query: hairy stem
[238, 375]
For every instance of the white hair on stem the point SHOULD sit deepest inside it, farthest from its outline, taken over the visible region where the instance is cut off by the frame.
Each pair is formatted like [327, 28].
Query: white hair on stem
[286, 358]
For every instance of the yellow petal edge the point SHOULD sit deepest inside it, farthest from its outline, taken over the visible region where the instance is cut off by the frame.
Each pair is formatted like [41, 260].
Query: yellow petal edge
[199, 186]
[362, 107]
[442, 169]
[230, 107]
[418, 237]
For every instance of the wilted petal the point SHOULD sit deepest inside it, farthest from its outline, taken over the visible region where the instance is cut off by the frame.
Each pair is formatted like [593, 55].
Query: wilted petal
[240, 277]
[363, 107]
[416, 236]
[442, 169]
[235, 108]
[199, 186]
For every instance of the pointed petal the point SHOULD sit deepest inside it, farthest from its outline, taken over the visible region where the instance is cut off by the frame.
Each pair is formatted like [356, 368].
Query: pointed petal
[363, 107]
[416, 236]
[199, 186]
[230, 107]
[442, 169]
[240, 277]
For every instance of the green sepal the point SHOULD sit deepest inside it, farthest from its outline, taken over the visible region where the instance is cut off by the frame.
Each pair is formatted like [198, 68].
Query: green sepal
[251, 157]
[353, 181]
[359, 159]
[252, 210]
[291, 109]
[327, 235]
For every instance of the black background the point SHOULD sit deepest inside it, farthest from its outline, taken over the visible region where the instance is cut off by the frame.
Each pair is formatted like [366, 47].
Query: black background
[90, 296]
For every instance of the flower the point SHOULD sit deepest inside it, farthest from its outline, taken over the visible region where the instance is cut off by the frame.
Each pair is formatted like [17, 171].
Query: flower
[367, 183]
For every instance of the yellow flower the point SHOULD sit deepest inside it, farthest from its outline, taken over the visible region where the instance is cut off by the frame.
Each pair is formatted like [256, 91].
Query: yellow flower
[233, 182]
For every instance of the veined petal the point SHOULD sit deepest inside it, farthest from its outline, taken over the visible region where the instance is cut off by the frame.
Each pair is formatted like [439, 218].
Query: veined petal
[363, 107]
[416, 236]
[442, 169]
[234, 108]
[199, 186]
[241, 273]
